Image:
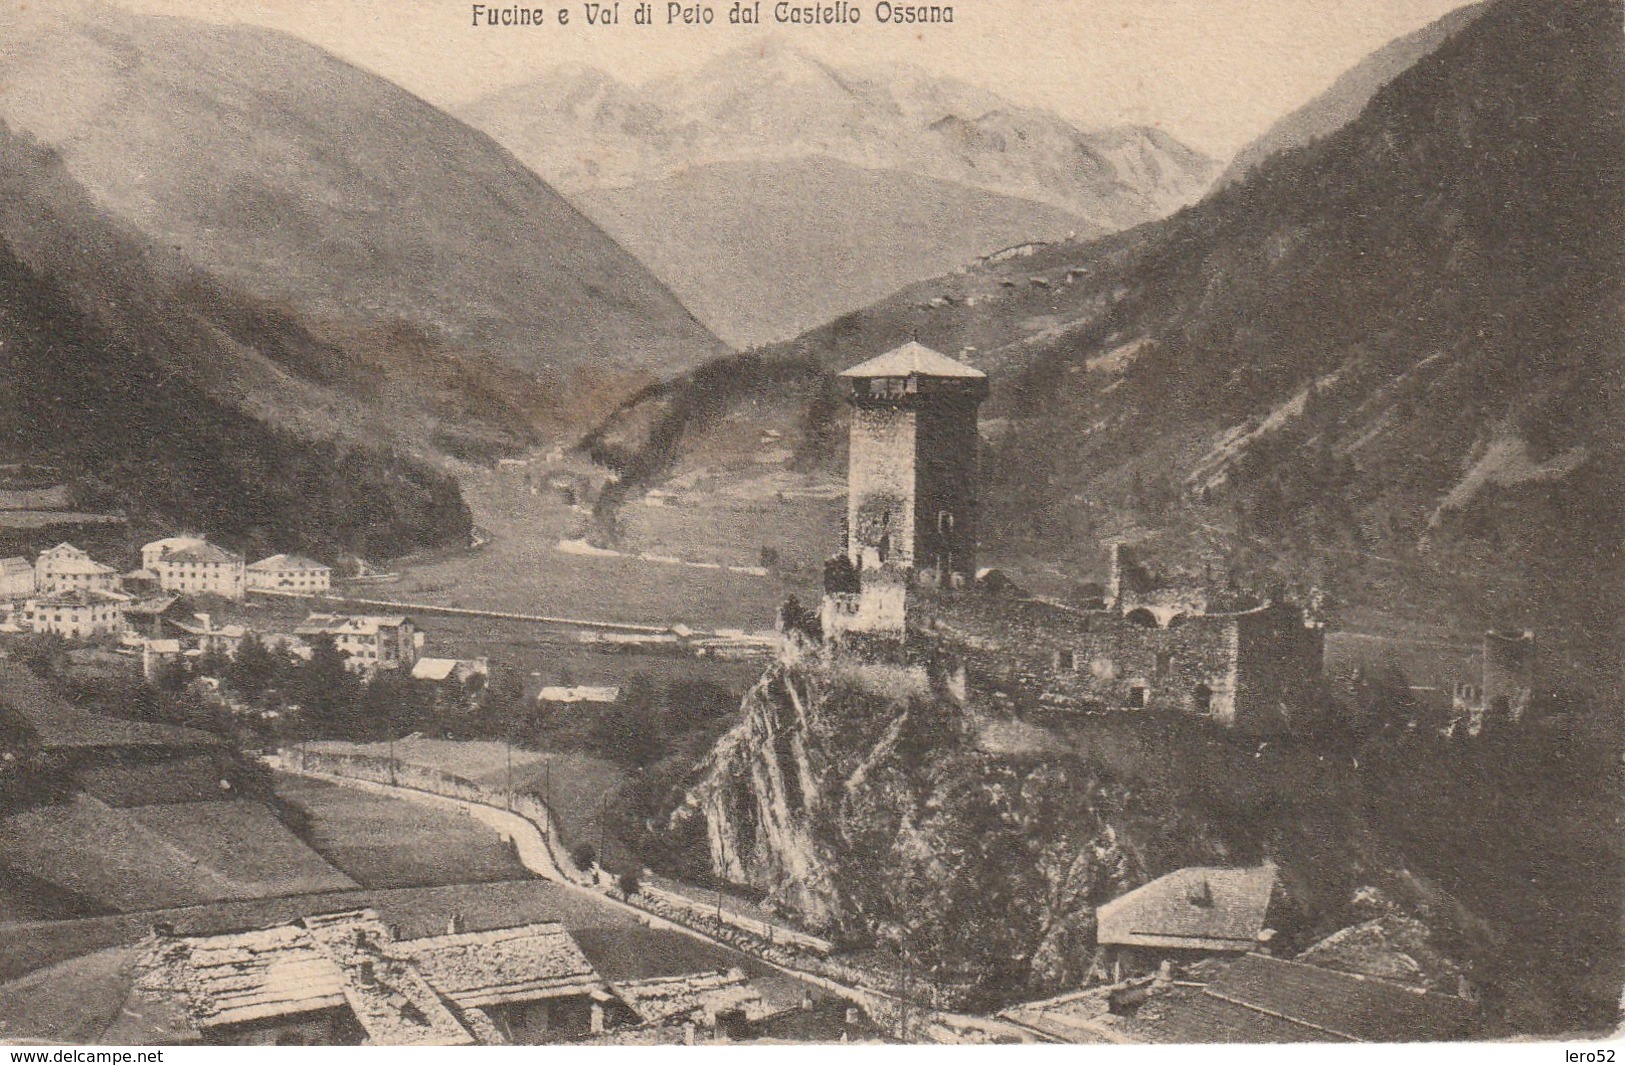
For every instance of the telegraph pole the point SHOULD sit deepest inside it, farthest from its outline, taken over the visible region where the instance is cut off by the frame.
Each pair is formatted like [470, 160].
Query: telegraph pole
[603, 829]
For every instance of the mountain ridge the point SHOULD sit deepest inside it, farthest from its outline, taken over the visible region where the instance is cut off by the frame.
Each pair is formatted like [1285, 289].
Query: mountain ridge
[300, 180]
[1348, 333]
[791, 116]
[1343, 100]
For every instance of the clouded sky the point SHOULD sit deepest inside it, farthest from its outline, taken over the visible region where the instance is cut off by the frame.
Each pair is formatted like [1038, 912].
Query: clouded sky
[1214, 73]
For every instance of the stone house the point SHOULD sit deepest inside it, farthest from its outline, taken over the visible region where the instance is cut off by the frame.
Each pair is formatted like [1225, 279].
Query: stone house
[371, 642]
[76, 615]
[1187, 915]
[65, 568]
[201, 569]
[293, 574]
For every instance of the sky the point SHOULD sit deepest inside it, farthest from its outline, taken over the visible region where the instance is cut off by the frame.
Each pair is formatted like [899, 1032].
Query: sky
[1213, 73]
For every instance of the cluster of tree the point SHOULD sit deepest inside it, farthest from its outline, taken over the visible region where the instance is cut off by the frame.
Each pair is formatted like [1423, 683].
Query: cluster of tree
[272, 695]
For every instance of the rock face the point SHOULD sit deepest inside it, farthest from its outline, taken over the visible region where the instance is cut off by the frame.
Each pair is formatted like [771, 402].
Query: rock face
[857, 797]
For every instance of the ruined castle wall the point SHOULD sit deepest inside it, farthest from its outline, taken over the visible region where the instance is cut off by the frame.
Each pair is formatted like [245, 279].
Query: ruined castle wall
[881, 487]
[1093, 658]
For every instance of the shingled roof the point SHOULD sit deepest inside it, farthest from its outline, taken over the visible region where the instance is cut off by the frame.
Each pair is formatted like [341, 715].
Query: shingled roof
[329, 961]
[286, 562]
[1358, 1008]
[663, 998]
[522, 964]
[246, 976]
[1199, 908]
[912, 359]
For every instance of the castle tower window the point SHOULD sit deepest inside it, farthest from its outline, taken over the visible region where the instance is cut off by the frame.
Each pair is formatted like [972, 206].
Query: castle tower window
[1136, 697]
[1165, 663]
[945, 522]
[1202, 699]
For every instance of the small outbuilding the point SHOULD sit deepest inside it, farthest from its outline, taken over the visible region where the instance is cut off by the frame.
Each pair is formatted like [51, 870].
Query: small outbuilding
[1192, 913]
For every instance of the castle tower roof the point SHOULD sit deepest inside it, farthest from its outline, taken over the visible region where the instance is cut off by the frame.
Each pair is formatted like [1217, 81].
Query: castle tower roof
[912, 359]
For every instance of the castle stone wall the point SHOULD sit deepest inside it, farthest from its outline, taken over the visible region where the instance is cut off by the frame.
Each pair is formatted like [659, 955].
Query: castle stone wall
[1250, 670]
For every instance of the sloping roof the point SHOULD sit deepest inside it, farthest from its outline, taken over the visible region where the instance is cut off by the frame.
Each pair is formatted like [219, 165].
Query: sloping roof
[172, 543]
[1199, 908]
[441, 668]
[154, 606]
[15, 565]
[387, 993]
[523, 964]
[1190, 1015]
[911, 359]
[1358, 1008]
[206, 627]
[78, 597]
[664, 998]
[246, 976]
[202, 552]
[433, 668]
[356, 624]
[77, 564]
[579, 694]
[286, 562]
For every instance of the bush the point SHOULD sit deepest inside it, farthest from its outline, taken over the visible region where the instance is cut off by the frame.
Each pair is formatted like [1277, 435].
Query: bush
[584, 856]
[629, 883]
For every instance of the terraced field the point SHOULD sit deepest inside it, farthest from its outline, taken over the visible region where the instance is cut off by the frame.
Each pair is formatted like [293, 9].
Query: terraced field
[382, 842]
[162, 856]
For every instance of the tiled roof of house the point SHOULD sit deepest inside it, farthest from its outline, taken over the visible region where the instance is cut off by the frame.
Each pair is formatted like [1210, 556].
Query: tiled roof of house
[664, 998]
[1352, 1007]
[77, 564]
[246, 976]
[387, 993]
[173, 543]
[523, 964]
[438, 669]
[910, 359]
[202, 553]
[152, 607]
[277, 563]
[433, 668]
[349, 624]
[331, 961]
[1190, 1015]
[15, 565]
[75, 597]
[1199, 908]
[578, 694]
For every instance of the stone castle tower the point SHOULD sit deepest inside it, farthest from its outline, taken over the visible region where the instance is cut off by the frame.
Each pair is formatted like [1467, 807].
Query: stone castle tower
[911, 486]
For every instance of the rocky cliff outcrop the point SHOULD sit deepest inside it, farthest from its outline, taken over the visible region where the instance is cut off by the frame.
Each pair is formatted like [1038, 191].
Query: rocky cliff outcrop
[856, 796]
